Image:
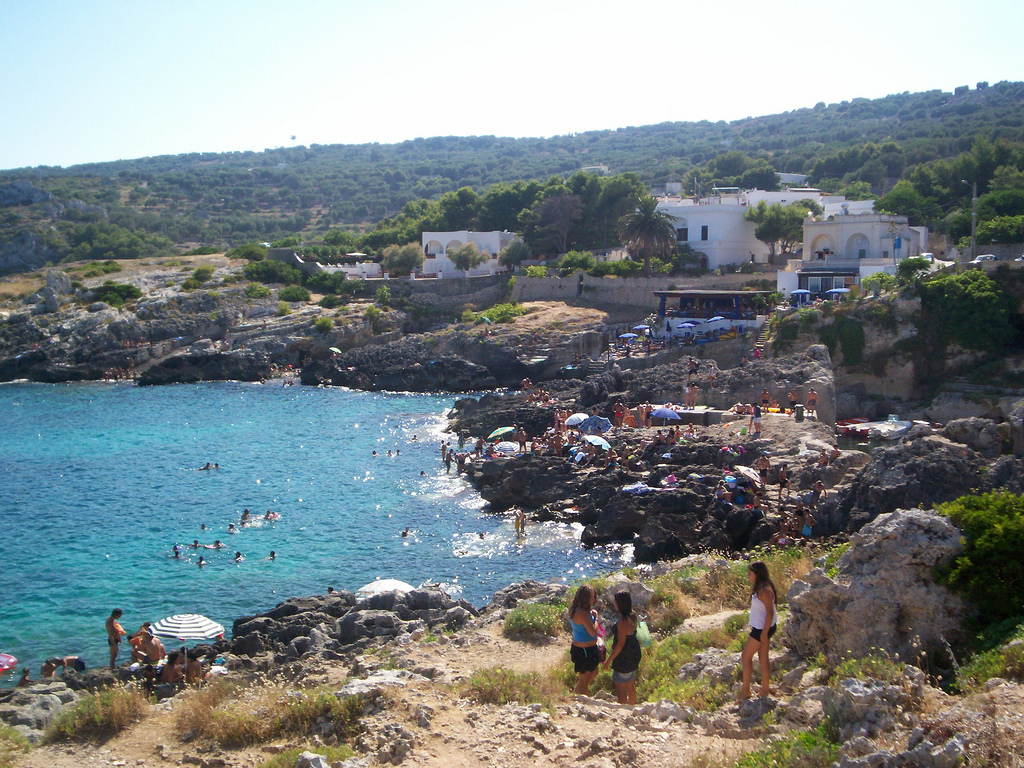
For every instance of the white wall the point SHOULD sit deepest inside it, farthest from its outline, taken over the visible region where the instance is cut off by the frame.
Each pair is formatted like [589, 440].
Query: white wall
[730, 237]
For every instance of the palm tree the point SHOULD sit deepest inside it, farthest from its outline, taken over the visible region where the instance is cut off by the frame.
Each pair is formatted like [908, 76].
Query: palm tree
[648, 231]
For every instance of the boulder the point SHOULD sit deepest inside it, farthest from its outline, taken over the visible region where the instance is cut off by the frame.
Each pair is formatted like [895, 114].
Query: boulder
[31, 710]
[884, 583]
[528, 591]
[983, 435]
[215, 366]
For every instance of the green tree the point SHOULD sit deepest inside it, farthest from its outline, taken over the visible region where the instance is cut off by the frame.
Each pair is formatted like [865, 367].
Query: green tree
[970, 309]
[468, 257]
[271, 271]
[759, 177]
[402, 259]
[515, 253]
[879, 281]
[554, 217]
[647, 231]
[383, 296]
[574, 260]
[293, 293]
[989, 569]
[904, 200]
[778, 226]
[1002, 229]
[910, 270]
[341, 239]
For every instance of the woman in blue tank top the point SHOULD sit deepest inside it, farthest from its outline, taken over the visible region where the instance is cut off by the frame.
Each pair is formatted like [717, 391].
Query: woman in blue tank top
[584, 650]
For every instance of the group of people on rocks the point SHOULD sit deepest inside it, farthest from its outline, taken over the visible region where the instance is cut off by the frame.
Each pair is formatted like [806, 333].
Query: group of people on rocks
[149, 657]
[589, 652]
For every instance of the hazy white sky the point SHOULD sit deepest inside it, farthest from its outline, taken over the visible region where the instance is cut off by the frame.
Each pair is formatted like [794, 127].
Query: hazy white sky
[93, 80]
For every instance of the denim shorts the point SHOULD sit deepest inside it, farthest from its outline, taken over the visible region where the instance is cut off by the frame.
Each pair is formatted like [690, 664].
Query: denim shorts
[623, 677]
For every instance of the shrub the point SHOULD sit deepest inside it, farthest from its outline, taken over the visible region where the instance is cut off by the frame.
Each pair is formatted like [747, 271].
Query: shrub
[504, 313]
[116, 294]
[191, 284]
[847, 333]
[98, 716]
[806, 749]
[249, 252]
[384, 296]
[536, 271]
[402, 259]
[330, 302]
[467, 316]
[374, 317]
[203, 273]
[99, 268]
[271, 271]
[323, 324]
[534, 619]
[257, 291]
[293, 293]
[995, 656]
[283, 308]
[989, 569]
[574, 260]
[202, 250]
[874, 667]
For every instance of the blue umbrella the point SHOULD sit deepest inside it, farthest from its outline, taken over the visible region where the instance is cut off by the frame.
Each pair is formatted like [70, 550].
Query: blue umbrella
[716, 318]
[665, 413]
[641, 327]
[800, 290]
[839, 290]
[687, 325]
[600, 442]
[595, 424]
[627, 336]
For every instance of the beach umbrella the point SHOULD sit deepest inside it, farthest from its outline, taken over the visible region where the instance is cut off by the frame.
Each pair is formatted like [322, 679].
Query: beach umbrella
[576, 418]
[627, 335]
[600, 442]
[687, 325]
[500, 431]
[506, 447]
[715, 319]
[7, 662]
[665, 413]
[380, 586]
[187, 626]
[750, 474]
[839, 290]
[335, 350]
[595, 424]
[800, 291]
[641, 328]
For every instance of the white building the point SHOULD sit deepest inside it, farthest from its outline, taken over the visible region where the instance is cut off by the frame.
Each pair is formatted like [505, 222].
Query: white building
[717, 225]
[842, 250]
[364, 270]
[437, 246]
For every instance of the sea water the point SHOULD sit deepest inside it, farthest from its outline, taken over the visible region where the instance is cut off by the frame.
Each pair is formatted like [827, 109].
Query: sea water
[98, 482]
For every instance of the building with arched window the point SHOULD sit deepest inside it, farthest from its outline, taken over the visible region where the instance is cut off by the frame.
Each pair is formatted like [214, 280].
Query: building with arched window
[842, 250]
[438, 245]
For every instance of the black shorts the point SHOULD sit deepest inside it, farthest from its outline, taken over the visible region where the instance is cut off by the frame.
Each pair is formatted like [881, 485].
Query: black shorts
[584, 659]
[756, 633]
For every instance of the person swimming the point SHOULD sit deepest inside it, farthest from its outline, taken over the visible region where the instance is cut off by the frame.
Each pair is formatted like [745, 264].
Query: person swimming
[405, 533]
[208, 466]
[238, 557]
[177, 551]
[246, 515]
[202, 527]
[215, 545]
[272, 515]
[194, 544]
[273, 555]
[202, 561]
[231, 528]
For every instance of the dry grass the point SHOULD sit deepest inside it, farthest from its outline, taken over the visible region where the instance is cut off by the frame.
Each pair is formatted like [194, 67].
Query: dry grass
[99, 716]
[500, 685]
[235, 716]
[19, 286]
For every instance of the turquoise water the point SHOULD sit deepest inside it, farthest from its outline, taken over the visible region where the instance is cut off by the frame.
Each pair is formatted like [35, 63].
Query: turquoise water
[98, 482]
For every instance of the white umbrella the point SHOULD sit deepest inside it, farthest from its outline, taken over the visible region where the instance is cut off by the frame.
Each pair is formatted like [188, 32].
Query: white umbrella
[641, 327]
[800, 290]
[380, 586]
[187, 626]
[839, 290]
[576, 418]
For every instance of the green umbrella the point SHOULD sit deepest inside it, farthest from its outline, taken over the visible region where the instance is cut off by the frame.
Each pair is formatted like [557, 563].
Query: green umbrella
[500, 431]
[486, 319]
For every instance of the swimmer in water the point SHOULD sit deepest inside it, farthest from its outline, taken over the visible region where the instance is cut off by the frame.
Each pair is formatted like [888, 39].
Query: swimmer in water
[231, 528]
[481, 534]
[422, 473]
[397, 452]
[238, 557]
[413, 439]
[201, 562]
[177, 552]
[389, 451]
[405, 533]
[208, 466]
[202, 527]
[374, 453]
[215, 545]
[273, 555]
[194, 544]
[246, 515]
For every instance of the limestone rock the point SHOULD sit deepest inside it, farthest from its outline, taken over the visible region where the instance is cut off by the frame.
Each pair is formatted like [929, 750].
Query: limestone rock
[983, 435]
[884, 585]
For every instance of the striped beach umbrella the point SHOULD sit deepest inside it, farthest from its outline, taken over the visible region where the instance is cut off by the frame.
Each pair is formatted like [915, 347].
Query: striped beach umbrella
[187, 626]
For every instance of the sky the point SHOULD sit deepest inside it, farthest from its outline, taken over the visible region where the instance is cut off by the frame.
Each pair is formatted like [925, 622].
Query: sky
[92, 80]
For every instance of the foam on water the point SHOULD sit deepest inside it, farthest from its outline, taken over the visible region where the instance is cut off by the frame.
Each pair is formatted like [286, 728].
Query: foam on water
[98, 482]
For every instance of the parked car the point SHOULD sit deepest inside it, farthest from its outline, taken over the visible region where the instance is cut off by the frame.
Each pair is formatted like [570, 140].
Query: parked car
[983, 258]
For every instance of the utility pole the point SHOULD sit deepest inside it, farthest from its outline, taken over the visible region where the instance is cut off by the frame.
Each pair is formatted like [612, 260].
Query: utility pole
[974, 221]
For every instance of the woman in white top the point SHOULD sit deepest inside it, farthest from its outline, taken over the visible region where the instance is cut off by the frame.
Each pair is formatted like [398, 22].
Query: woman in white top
[762, 627]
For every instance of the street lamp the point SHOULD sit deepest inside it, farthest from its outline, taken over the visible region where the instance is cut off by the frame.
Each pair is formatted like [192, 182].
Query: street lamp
[974, 218]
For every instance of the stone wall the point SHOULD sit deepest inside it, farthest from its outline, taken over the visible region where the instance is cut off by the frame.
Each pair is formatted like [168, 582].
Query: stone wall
[632, 291]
